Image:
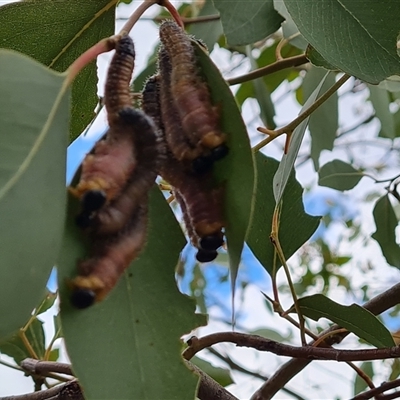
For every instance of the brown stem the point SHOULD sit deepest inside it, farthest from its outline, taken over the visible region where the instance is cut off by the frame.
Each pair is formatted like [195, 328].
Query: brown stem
[270, 69]
[137, 14]
[287, 371]
[193, 20]
[380, 389]
[307, 352]
[59, 392]
[44, 367]
[173, 11]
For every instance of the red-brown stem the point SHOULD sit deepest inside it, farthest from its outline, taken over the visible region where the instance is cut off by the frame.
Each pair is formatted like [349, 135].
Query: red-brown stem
[173, 11]
[137, 14]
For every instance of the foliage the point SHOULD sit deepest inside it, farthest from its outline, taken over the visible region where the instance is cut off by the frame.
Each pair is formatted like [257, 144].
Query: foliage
[128, 346]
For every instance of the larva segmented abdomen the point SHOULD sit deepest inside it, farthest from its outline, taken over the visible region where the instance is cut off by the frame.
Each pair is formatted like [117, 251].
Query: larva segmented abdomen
[190, 92]
[117, 91]
[111, 257]
[112, 218]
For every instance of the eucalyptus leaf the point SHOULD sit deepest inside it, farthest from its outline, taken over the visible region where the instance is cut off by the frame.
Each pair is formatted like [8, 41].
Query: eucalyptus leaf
[236, 171]
[354, 318]
[286, 165]
[380, 99]
[34, 117]
[220, 375]
[56, 33]
[371, 53]
[246, 22]
[323, 122]
[138, 326]
[295, 227]
[359, 383]
[386, 223]
[339, 175]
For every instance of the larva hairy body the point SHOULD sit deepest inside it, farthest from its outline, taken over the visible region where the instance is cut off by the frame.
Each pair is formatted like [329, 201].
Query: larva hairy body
[111, 257]
[190, 92]
[117, 93]
[106, 170]
[113, 218]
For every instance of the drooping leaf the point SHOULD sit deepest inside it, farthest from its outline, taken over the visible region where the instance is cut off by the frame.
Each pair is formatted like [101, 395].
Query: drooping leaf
[381, 101]
[354, 318]
[246, 22]
[359, 383]
[386, 223]
[339, 175]
[286, 165]
[15, 347]
[236, 171]
[371, 53]
[220, 375]
[34, 118]
[138, 326]
[323, 122]
[316, 59]
[271, 334]
[209, 32]
[75, 27]
[295, 228]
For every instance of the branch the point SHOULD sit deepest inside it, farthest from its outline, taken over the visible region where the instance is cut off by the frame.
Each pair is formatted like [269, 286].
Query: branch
[38, 367]
[269, 69]
[69, 390]
[308, 352]
[233, 365]
[208, 388]
[373, 392]
[287, 371]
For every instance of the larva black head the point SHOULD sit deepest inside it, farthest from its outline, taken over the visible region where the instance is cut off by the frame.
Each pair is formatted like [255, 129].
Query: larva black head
[211, 242]
[206, 256]
[93, 200]
[82, 298]
[219, 152]
[125, 46]
[83, 220]
[202, 164]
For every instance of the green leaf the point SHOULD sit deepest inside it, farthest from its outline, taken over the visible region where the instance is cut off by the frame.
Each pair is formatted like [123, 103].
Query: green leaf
[359, 383]
[339, 175]
[151, 69]
[295, 228]
[208, 32]
[327, 25]
[247, 22]
[46, 303]
[14, 346]
[386, 223]
[54, 355]
[56, 33]
[271, 334]
[354, 318]
[323, 122]
[263, 96]
[381, 101]
[236, 171]
[34, 118]
[133, 335]
[286, 165]
[220, 375]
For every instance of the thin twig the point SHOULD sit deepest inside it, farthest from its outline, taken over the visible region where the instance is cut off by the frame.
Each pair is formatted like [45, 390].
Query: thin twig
[294, 61]
[308, 352]
[287, 371]
[289, 128]
[189, 21]
[44, 367]
[137, 14]
[380, 389]
[233, 365]
[52, 393]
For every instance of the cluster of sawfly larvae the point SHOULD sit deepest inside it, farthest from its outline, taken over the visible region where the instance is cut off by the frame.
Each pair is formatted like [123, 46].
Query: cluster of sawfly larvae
[176, 136]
